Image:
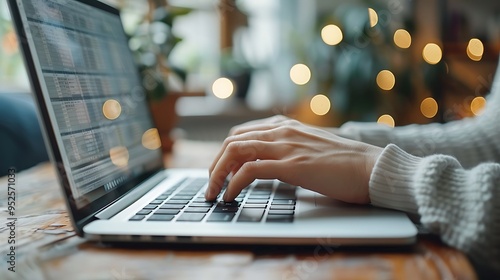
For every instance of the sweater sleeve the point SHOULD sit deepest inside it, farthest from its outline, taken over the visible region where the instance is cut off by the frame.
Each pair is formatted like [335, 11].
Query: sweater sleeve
[462, 206]
[471, 141]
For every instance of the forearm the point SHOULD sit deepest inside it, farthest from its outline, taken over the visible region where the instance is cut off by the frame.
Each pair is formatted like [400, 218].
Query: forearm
[462, 206]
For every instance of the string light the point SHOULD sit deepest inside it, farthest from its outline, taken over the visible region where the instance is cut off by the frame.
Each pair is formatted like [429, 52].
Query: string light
[372, 14]
[111, 109]
[402, 38]
[475, 49]
[432, 53]
[331, 35]
[119, 156]
[151, 139]
[300, 74]
[477, 105]
[429, 107]
[386, 80]
[222, 88]
[386, 120]
[320, 104]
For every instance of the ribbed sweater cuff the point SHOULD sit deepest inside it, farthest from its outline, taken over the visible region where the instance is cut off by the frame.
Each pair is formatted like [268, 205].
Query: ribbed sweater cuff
[391, 180]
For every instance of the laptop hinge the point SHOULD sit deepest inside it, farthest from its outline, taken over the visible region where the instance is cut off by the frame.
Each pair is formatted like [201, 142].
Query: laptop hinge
[131, 197]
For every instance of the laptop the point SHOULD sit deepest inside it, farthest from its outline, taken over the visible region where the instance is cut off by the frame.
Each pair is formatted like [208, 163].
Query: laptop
[105, 147]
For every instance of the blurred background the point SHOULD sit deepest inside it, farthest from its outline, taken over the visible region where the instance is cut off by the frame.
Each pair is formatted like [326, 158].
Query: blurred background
[221, 62]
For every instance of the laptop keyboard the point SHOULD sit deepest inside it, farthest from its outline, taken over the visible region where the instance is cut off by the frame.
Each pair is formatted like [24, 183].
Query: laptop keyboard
[263, 201]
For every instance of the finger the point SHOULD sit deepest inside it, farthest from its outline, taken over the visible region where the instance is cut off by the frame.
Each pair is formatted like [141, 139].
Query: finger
[266, 136]
[236, 155]
[249, 171]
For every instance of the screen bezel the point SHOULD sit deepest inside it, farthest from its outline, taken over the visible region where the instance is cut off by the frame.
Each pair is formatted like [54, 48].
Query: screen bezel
[80, 216]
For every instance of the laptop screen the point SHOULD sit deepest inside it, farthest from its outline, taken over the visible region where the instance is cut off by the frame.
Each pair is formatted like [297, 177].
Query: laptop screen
[92, 93]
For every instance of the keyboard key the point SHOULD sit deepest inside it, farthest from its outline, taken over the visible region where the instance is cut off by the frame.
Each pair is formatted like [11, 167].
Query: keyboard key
[201, 204]
[285, 195]
[167, 212]
[233, 209]
[144, 212]
[172, 206]
[137, 218]
[184, 201]
[264, 186]
[256, 201]
[163, 218]
[228, 203]
[250, 215]
[182, 197]
[191, 217]
[282, 207]
[150, 206]
[200, 199]
[259, 196]
[197, 209]
[157, 201]
[259, 192]
[279, 219]
[283, 202]
[221, 217]
[281, 212]
[255, 206]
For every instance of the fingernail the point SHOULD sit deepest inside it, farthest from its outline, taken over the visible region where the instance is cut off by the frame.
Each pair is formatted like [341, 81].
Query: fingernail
[208, 193]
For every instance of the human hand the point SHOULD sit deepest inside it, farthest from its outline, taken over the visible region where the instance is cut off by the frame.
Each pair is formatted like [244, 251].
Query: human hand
[280, 120]
[294, 153]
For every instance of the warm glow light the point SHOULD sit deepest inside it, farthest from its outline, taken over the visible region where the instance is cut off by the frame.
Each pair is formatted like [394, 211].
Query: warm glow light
[475, 49]
[300, 74]
[119, 156]
[373, 17]
[320, 104]
[386, 80]
[111, 109]
[477, 105]
[402, 38]
[9, 43]
[429, 107]
[432, 53]
[331, 35]
[223, 88]
[151, 139]
[386, 120]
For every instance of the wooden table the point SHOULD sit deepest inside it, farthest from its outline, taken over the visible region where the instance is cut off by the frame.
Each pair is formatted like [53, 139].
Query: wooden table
[47, 248]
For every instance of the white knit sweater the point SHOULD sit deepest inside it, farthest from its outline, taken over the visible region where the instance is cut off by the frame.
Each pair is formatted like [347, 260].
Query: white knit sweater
[447, 173]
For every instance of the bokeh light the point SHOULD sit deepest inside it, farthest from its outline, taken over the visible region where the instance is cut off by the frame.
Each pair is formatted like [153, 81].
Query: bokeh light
[119, 156]
[331, 35]
[320, 104]
[372, 14]
[386, 80]
[300, 74]
[477, 105]
[151, 139]
[429, 107]
[402, 38]
[432, 53]
[475, 49]
[223, 88]
[386, 120]
[111, 109]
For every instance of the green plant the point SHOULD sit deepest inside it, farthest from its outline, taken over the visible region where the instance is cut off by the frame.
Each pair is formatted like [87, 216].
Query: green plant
[152, 41]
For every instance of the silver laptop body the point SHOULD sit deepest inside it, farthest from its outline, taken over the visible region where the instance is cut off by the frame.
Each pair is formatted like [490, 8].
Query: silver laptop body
[104, 145]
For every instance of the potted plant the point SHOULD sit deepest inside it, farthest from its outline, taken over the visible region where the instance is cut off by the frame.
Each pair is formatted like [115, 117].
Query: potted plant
[152, 41]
